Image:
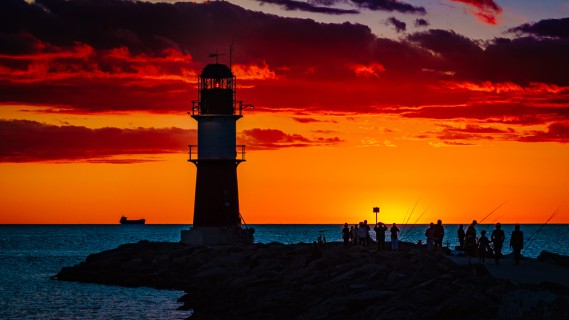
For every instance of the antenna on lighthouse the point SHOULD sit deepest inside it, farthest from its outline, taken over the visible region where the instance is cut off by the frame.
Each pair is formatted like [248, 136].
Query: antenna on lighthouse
[216, 56]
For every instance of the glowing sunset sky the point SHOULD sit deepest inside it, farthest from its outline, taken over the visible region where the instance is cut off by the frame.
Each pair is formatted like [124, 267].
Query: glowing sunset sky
[456, 106]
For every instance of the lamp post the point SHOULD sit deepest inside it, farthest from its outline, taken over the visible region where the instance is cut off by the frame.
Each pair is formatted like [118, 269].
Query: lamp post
[376, 211]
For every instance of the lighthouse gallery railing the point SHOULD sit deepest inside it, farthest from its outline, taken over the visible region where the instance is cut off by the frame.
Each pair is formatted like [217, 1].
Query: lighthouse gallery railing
[238, 107]
[239, 153]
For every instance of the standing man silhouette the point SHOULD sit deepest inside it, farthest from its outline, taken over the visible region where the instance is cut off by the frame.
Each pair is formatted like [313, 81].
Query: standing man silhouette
[517, 243]
[380, 229]
[498, 238]
[394, 238]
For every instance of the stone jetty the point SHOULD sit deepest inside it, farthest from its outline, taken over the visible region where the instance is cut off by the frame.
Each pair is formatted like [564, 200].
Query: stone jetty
[320, 281]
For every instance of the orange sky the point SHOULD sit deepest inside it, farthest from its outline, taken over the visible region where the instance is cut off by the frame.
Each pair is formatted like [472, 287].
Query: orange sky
[93, 126]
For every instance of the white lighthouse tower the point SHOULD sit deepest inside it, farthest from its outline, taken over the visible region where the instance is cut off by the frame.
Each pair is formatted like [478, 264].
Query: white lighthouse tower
[217, 219]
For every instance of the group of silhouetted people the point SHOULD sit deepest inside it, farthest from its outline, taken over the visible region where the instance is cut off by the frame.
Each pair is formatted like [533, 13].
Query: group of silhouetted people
[360, 234]
[435, 235]
[473, 246]
[480, 246]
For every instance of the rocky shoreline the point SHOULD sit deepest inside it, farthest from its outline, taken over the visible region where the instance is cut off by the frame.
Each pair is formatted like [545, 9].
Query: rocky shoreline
[319, 281]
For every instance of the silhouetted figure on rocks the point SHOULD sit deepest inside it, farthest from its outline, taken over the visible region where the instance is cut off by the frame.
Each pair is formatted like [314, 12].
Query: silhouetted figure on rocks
[362, 234]
[355, 238]
[439, 233]
[380, 229]
[346, 234]
[394, 238]
[483, 246]
[470, 240]
[517, 243]
[430, 235]
[498, 239]
[461, 235]
[368, 236]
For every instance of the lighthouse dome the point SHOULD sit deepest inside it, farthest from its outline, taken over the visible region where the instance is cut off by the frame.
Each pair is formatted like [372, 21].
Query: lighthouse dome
[216, 71]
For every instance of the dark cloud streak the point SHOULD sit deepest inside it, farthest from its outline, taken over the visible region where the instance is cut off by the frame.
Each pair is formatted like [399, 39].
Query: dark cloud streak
[399, 25]
[305, 6]
[545, 28]
[389, 5]
[271, 139]
[31, 141]
[421, 23]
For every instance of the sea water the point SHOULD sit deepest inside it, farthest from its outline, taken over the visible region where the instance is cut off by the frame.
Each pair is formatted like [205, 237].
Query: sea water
[31, 254]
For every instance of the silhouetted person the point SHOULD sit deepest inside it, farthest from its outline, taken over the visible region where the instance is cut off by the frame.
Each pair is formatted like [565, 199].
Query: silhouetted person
[394, 238]
[439, 233]
[470, 240]
[380, 229]
[355, 238]
[346, 234]
[517, 243]
[483, 246]
[461, 235]
[368, 236]
[362, 234]
[498, 239]
[430, 235]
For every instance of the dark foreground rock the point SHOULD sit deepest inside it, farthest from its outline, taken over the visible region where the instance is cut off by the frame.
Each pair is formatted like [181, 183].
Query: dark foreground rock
[554, 258]
[326, 281]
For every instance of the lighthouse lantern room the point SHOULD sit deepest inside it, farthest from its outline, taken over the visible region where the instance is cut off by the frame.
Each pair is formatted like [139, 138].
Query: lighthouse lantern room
[217, 219]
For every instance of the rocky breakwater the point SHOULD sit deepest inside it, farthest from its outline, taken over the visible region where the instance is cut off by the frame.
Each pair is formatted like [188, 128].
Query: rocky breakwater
[318, 281]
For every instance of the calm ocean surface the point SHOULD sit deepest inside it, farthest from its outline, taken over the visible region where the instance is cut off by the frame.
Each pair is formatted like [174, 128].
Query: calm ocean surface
[31, 254]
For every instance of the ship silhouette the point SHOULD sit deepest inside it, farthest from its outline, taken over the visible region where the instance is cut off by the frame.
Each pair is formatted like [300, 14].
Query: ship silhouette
[124, 220]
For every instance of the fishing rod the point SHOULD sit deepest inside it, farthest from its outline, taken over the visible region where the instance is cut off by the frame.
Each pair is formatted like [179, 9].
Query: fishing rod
[540, 228]
[410, 214]
[403, 221]
[414, 223]
[479, 222]
[496, 219]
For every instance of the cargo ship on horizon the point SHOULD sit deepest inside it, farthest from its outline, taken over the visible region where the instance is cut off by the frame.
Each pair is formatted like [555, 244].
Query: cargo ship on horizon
[124, 220]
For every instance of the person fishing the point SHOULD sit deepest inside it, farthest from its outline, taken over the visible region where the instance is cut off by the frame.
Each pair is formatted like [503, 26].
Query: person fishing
[470, 241]
[346, 234]
[380, 229]
[517, 243]
[483, 246]
[461, 235]
[430, 235]
[498, 239]
[439, 234]
[394, 238]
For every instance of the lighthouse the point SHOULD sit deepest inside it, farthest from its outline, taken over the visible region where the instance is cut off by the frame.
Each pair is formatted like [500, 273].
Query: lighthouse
[217, 219]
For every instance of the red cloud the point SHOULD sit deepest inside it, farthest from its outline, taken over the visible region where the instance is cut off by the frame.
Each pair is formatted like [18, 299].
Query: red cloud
[79, 60]
[30, 141]
[263, 139]
[486, 10]
[493, 113]
[311, 120]
[556, 132]
[139, 64]
[453, 135]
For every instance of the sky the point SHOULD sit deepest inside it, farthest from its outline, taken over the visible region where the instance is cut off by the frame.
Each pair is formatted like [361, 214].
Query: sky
[444, 109]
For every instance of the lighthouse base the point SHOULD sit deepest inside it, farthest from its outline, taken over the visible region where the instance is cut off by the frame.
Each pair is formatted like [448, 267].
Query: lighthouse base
[205, 236]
